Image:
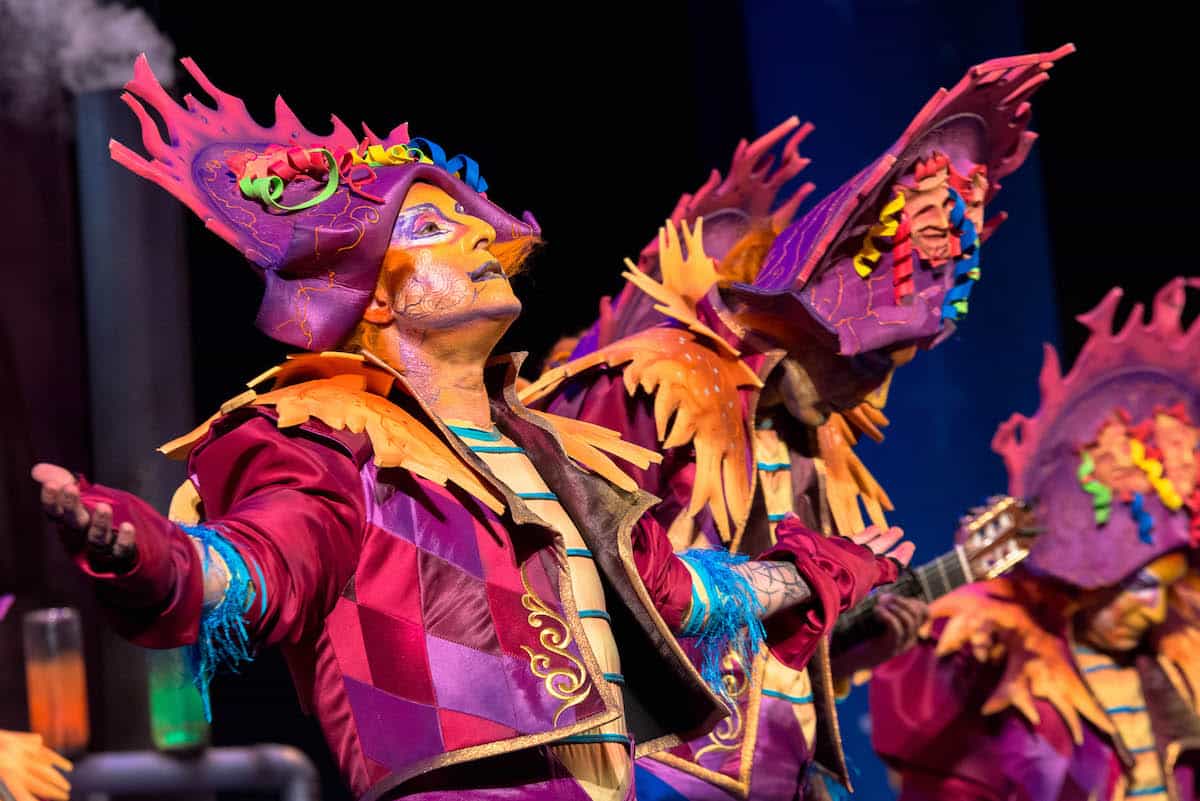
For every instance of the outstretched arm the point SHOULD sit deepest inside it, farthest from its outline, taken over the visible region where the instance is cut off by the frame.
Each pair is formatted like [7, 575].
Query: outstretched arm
[779, 585]
[284, 507]
[797, 589]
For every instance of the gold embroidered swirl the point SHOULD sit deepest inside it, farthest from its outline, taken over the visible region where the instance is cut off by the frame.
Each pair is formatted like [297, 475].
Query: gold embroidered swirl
[728, 733]
[567, 684]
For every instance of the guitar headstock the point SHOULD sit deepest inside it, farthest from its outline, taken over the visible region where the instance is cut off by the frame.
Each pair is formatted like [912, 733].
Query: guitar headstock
[996, 536]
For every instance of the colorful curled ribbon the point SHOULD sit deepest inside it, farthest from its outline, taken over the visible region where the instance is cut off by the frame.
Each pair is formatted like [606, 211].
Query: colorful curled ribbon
[904, 262]
[966, 270]
[1153, 469]
[462, 167]
[269, 189]
[379, 156]
[1102, 495]
[1145, 522]
[867, 258]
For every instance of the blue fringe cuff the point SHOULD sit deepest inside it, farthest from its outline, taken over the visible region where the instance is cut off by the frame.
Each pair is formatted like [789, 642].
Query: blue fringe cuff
[223, 641]
[731, 618]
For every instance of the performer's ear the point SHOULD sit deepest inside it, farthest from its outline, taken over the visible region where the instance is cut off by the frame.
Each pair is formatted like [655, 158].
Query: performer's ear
[379, 310]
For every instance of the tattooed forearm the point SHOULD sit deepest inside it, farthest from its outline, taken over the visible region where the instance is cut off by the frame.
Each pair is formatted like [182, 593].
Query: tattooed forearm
[777, 584]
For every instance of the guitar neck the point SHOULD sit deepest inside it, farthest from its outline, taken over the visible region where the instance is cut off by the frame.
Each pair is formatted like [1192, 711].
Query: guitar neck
[928, 582]
[943, 575]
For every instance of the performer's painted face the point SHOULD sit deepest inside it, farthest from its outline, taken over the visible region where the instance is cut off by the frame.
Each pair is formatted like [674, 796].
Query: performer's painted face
[1120, 624]
[906, 280]
[927, 206]
[439, 268]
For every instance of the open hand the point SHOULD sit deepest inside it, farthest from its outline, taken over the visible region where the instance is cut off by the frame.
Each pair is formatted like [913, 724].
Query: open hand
[884, 542]
[30, 770]
[85, 526]
[902, 619]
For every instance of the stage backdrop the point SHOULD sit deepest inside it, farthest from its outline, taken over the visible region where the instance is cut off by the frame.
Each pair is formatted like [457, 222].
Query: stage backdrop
[860, 71]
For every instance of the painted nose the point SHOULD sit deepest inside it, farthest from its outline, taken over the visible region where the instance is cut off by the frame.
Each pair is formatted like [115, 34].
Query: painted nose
[482, 237]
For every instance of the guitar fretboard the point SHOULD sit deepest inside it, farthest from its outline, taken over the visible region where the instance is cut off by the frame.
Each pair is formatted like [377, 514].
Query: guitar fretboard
[946, 573]
[928, 582]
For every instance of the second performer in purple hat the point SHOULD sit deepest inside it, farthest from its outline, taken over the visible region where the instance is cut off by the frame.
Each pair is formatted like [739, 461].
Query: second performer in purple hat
[1077, 676]
[754, 349]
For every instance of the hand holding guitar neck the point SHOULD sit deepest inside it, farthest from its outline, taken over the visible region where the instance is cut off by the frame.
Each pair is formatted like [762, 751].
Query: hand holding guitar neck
[991, 539]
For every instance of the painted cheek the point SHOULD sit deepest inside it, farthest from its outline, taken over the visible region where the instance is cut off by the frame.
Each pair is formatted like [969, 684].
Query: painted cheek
[1152, 605]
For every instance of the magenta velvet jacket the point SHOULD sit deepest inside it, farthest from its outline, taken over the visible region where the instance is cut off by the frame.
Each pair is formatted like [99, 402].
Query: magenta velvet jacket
[423, 629]
[927, 725]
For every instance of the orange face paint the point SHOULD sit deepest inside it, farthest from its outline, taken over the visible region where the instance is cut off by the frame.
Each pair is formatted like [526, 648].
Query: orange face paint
[1120, 624]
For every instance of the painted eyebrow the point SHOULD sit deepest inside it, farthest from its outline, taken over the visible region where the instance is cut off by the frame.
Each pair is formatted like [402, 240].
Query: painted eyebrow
[414, 211]
[407, 219]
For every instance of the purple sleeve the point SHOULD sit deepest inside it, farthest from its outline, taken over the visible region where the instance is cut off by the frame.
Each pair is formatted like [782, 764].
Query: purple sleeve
[667, 580]
[292, 505]
[839, 574]
[927, 725]
[156, 603]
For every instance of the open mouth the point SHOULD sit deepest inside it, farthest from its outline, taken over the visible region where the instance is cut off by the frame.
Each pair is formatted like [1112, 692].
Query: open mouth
[487, 271]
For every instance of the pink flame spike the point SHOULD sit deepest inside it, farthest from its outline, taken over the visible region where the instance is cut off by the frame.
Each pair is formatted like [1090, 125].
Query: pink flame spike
[194, 126]
[751, 184]
[1007, 83]
[398, 136]
[1160, 343]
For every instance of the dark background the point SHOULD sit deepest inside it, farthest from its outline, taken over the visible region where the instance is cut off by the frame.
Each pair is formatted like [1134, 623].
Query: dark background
[596, 120]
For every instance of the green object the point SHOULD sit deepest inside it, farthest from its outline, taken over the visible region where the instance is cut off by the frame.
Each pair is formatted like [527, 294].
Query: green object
[1102, 495]
[270, 189]
[176, 710]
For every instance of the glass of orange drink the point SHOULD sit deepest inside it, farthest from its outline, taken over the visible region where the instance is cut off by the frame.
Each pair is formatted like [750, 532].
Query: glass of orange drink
[55, 679]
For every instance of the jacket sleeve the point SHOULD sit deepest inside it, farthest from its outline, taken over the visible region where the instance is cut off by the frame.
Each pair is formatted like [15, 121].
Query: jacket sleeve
[289, 503]
[926, 724]
[839, 573]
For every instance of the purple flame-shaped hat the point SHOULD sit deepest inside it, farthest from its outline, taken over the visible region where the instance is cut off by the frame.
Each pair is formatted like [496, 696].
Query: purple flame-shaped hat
[313, 214]
[809, 272]
[1095, 535]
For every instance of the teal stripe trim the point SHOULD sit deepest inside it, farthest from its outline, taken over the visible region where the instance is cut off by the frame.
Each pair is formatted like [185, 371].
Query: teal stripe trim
[596, 738]
[495, 448]
[795, 699]
[1098, 668]
[1145, 750]
[475, 433]
[775, 518]
[1147, 791]
[262, 586]
[597, 613]
[773, 467]
[696, 614]
[615, 678]
[694, 626]
[537, 496]
[1125, 710]
[584, 552]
